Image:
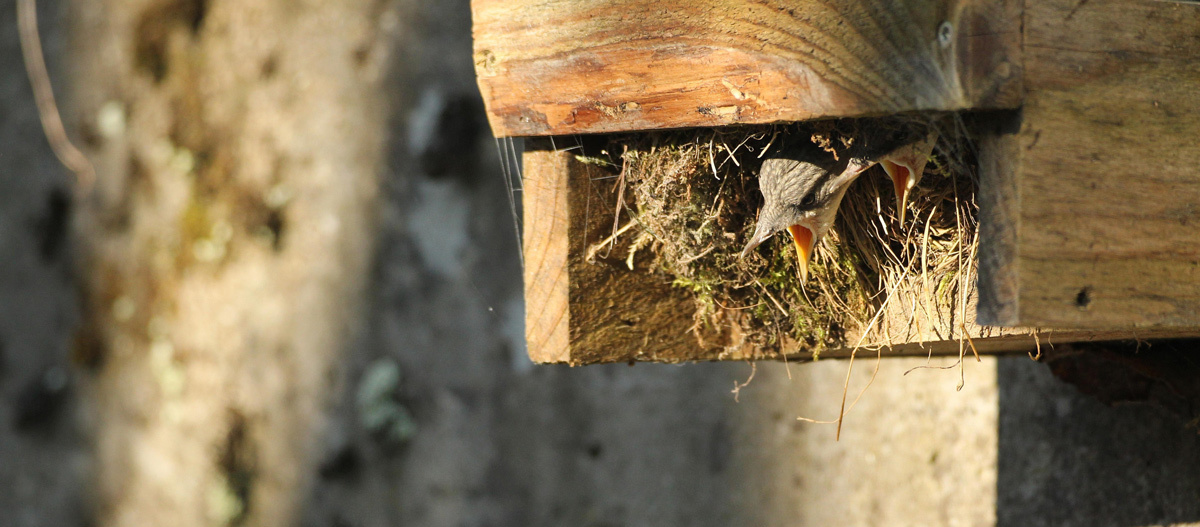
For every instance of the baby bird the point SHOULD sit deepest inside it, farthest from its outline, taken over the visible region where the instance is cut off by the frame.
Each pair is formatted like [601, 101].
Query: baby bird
[803, 187]
[905, 165]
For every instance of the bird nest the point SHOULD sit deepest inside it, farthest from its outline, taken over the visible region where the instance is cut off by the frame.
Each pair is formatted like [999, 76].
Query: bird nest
[693, 197]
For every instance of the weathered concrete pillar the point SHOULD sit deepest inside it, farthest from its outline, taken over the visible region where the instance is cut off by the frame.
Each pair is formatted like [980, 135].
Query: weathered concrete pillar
[225, 245]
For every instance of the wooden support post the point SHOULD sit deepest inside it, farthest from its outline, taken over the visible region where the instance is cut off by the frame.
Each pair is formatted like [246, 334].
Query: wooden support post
[557, 68]
[584, 308]
[1092, 212]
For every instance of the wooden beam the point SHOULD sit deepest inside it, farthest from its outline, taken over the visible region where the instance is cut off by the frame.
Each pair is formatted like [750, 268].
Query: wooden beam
[562, 67]
[1096, 205]
[1088, 199]
[584, 307]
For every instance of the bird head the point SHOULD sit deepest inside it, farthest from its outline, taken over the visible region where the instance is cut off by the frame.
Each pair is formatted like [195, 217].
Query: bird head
[802, 188]
[905, 165]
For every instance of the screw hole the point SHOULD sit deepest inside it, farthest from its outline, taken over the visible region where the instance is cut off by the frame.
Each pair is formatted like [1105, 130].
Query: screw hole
[1084, 298]
[945, 34]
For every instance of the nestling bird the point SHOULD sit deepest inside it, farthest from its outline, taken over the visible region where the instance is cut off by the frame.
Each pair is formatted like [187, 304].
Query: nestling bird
[803, 186]
[905, 165]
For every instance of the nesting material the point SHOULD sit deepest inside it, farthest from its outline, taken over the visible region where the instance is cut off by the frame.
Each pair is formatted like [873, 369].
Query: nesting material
[689, 201]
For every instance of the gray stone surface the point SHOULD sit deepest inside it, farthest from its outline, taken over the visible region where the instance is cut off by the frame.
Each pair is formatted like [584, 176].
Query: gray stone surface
[1065, 459]
[500, 442]
[43, 454]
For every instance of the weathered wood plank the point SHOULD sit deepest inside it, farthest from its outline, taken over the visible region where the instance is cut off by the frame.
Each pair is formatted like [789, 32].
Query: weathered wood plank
[1106, 169]
[1089, 199]
[999, 160]
[564, 67]
[582, 310]
[545, 243]
[579, 312]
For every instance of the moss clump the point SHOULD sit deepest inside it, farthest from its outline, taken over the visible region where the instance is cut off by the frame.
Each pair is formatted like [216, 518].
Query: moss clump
[693, 197]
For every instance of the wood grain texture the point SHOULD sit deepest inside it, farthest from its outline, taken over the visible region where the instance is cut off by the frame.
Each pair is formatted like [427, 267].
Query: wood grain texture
[563, 67]
[999, 161]
[587, 310]
[581, 312]
[545, 242]
[1106, 168]
[1090, 194]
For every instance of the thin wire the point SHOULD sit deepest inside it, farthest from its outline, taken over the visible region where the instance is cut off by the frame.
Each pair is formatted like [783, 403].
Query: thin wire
[516, 182]
[507, 170]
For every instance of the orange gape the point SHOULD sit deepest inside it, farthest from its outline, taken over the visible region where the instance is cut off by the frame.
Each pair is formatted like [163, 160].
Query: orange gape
[900, 179]
[804, 246]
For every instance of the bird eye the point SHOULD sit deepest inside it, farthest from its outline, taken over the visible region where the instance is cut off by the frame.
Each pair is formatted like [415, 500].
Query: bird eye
[809, 201]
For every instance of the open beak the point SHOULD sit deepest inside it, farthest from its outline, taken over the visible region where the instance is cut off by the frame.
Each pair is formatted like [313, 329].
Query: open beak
[905, 167]
[803, 238]
[903, 181]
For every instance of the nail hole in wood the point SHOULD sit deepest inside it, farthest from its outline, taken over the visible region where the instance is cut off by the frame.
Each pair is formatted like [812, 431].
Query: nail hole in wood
[1084, 298]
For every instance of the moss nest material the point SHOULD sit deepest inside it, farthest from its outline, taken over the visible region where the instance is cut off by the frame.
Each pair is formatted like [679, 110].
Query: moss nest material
[693, 198]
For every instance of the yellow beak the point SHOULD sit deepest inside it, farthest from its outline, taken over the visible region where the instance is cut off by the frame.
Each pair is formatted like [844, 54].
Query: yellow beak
[803, 237]
[905, 166]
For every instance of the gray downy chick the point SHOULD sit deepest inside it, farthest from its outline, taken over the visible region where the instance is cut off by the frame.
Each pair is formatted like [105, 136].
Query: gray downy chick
[803, 186]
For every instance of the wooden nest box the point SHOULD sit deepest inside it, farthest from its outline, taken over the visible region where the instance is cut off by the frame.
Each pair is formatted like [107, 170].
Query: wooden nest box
[1088, 156]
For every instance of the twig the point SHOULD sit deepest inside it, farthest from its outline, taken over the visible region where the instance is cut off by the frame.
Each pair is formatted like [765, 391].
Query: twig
[43, 94]
[850, 366]
[737, 387]
[772, 297]
[695, 257]
[711, 160]
[595, 248]
[620, 199]
[972, 343]
[962, 318]
[769, 143]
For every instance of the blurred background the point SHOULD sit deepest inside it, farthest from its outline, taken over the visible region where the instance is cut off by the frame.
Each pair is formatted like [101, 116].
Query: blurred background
[292, 296]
